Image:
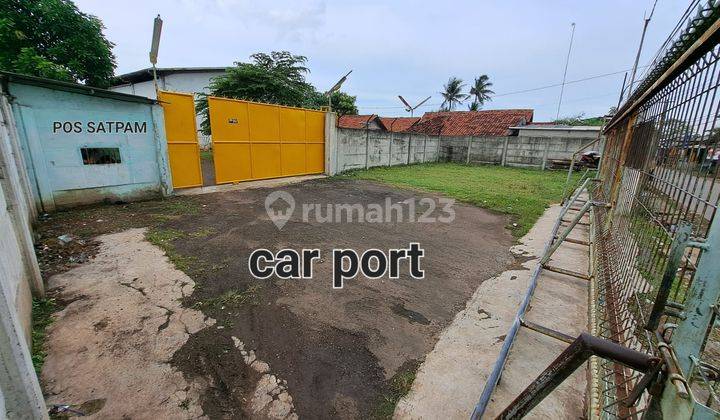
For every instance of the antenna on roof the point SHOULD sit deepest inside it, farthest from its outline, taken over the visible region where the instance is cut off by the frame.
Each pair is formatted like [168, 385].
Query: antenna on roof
[155, 46]
[411, 109]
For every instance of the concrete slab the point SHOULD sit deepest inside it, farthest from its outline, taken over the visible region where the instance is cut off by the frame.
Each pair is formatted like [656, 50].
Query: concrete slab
[449, 382]
[263, 183]
[109, 349]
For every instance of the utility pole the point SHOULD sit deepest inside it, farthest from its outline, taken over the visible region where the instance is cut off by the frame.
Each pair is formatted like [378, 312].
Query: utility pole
[637, 57]
[567, 61]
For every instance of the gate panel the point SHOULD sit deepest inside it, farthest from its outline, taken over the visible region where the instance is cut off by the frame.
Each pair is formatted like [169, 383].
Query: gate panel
[266, 160]
[293, 159]
[259, 141]
[181, 133]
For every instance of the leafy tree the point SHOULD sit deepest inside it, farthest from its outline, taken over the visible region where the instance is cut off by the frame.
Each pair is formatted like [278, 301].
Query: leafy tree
[452, 94]
[341, 103]
[276, 78]
[481, 91]
[474, 106]
[580, 119]
[53, 39]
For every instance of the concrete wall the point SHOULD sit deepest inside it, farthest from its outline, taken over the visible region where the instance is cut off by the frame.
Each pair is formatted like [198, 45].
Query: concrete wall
[358, 149]
[519, 151]
[20, 394]
[369, 148]
[58, 176]
[189, 82]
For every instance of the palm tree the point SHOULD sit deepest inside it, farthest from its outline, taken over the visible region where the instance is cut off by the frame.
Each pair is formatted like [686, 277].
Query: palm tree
[453, 95]
[474, 106]
[481, 90]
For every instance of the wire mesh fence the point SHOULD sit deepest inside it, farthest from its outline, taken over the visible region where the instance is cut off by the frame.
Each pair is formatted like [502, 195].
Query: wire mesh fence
[659, 176]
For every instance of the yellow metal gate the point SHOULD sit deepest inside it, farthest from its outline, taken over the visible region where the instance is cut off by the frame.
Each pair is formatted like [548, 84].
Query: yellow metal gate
[259, 141]
[181, 133]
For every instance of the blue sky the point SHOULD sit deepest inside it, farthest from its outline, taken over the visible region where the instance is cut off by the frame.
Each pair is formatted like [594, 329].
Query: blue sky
[407, 47]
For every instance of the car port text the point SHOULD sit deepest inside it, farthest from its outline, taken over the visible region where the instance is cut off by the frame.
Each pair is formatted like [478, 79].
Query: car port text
[346, 263]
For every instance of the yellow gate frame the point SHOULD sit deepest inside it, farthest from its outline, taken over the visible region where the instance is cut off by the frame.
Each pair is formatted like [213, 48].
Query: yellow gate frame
[182, 143]
[259, 141]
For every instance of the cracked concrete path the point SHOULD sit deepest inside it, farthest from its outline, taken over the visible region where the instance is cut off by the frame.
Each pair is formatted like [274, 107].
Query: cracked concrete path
[108, 350]
[449, 382]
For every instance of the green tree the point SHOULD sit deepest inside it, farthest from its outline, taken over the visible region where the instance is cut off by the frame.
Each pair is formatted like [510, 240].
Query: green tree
[580, 119]
[53, 39]
[341, 103]
[481, 91]
[275, 78]
[474, 106]
[452, 94]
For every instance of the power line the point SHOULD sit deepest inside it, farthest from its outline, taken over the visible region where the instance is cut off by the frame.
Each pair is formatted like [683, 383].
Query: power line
[584, 79]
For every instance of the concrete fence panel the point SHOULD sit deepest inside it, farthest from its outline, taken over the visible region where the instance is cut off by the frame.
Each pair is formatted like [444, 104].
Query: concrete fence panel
[359, 149]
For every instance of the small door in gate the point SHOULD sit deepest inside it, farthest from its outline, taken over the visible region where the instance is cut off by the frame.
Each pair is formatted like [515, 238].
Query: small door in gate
[182, 143]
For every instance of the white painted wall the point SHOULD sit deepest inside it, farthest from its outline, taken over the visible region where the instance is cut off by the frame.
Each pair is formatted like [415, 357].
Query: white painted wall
[20, 394]
[188, 82]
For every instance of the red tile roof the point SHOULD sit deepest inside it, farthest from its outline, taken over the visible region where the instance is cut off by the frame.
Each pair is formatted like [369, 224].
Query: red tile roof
[399, 124]
[472, 123]
[358, 121]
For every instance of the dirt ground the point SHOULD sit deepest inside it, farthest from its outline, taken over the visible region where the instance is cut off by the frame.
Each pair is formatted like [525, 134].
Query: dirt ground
[336, 352]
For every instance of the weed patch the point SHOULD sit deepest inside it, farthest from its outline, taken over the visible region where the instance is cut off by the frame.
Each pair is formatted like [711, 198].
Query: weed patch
[398, 387]
[163, 238]
[232, 298]
[42, 310]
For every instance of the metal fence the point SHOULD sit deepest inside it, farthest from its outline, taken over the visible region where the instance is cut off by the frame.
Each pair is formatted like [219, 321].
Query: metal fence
[659, 176]
[654, 244]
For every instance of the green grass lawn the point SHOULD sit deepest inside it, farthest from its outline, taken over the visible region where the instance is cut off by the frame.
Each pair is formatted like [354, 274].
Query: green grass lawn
[522, 193]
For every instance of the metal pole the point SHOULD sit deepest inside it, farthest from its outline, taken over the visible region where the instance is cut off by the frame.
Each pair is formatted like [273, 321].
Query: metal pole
[546, 258]
[574, 356]
[689, 337]
[637, 57]
[567, 61]
[675, 254]
[494, 377]
[622, 92]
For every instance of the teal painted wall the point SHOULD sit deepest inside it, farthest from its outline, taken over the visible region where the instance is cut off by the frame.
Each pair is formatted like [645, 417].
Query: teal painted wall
[54, 161]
